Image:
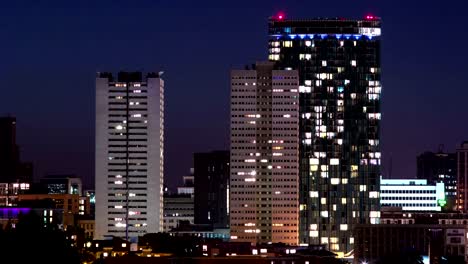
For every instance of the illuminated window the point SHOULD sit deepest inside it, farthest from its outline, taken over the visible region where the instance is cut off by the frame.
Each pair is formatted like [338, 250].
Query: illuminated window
[313, 233]
[313, 194]
[287, 43]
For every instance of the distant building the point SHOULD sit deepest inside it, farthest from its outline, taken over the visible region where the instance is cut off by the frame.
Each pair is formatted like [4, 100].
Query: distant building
[189, 184]
[62, 184]
[211, 188]
[12, 170]
[412, 194]
[129, 154]
[87, 224]
[434, 235]
[46, 211]
[200, 231]
[440, 167]
[91, 194]
[462, 177]
[264, 184]
[70, 205]
[9, 192]
[177, 208]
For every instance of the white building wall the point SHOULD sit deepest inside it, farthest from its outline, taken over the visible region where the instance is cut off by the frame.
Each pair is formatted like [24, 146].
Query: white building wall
[145, 157]
[411, 195]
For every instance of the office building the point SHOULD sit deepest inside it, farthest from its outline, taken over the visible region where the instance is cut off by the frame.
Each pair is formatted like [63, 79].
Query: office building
[129, 154]
[264, 155]
[462, 177]
[440, 167]
[432, 235]
[70, 205]
[188, 186]
[9, 192]
[412, 194]
[12, 170]
[338, 61]
[178, 208]
[62, 184]
[211, 188]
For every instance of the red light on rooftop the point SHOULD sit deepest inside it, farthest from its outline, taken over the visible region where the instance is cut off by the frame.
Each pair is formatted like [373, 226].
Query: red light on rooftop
[280, 16]
[370, 17]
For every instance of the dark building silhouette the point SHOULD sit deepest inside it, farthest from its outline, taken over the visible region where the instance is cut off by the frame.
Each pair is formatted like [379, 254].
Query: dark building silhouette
[439, 167]
[11, 167]
[338, 61]
[211, 178]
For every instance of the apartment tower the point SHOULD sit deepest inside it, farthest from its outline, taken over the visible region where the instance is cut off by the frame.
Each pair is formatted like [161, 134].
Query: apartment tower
[338, 61]
[264, 155]
[129, 154]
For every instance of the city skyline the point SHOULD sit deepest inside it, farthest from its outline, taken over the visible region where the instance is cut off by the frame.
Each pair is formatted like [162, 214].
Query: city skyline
[65, 108]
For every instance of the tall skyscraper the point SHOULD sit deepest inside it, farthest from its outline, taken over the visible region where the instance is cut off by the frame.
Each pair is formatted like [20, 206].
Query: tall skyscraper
[211, 188]
[338, 61]
[440, 167]
[264, 155]
[462, 177]
[129, 154]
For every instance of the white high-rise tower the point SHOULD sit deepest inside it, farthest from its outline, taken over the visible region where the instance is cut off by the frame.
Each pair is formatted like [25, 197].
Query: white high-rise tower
[264, 168]
[129, 154]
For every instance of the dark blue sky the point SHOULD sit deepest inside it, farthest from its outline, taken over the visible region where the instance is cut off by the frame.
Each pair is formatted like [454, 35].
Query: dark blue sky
[50, 51]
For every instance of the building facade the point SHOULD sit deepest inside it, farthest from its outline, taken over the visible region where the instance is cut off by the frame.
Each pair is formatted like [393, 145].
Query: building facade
[129, 154]
[264, 155]
[177, 208]
[70, 205]
[338, 61]
[9, 192]
[440, 167]
[433, 235]
[62, 184]
[211, 188]
[412, 195]
[462, 177]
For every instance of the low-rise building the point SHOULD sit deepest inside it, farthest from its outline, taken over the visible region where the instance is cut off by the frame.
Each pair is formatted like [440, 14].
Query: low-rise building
[9, 192]
[177, 208]
[434, 235]
[412, 194]
[87, 224]
[70, 204]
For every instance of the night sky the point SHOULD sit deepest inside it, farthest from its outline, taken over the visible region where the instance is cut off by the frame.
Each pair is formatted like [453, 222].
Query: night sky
[51, 50]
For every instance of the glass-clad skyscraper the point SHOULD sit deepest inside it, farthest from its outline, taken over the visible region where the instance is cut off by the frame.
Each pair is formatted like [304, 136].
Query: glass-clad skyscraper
[338, 61]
